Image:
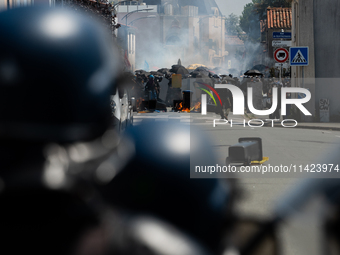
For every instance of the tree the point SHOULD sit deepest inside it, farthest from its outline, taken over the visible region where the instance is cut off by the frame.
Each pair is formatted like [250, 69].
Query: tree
[249, 21]
[232, 25]
[254, 12]
[260, 7]
[246, 16]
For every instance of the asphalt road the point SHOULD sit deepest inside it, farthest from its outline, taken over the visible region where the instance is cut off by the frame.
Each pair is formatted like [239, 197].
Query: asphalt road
[284, 146]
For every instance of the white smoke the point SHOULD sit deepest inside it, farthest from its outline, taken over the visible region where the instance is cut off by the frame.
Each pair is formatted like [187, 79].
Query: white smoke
[156, 53]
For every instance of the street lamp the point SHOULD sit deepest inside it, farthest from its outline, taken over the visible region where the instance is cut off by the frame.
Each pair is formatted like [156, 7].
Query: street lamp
[129, 13]
[147, 17]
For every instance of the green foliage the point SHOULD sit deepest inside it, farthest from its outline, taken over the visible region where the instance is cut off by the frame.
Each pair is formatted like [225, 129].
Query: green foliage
[260, 7]
[246, 16]
[250, 23]
[254, 12]
[232, 25]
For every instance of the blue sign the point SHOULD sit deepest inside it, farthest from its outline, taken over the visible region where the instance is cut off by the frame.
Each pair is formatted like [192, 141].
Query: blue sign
[298, 56]
[282, 35]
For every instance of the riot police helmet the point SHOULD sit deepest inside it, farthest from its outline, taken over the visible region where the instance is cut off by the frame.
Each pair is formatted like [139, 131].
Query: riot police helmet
[56, 75]
[157, 180]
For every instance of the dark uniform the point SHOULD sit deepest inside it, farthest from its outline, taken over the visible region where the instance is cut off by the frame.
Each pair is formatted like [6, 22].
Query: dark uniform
[55, 87]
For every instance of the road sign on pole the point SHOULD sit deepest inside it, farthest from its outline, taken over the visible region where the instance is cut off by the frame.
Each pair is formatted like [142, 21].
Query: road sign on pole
[281, 55]
[280, 44]
[282, 35]
[299, 56]
[284, 65]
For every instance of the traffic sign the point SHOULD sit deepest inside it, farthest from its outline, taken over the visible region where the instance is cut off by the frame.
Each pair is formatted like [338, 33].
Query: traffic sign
[280, 44]
[282, 35]
[281, 55]
[284, 65]
[299, 56]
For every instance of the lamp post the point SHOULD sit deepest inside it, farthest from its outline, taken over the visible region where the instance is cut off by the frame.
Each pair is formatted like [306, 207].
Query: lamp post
[129, 13]
[147, 17]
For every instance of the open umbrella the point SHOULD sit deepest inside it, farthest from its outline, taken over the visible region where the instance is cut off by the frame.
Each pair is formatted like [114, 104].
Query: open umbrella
[202, 70]
[227, 78]
[178, 69]
[198, 74]
[163, 70]
[253, 72]
[140, 71]
[182, 70]
[156, 73]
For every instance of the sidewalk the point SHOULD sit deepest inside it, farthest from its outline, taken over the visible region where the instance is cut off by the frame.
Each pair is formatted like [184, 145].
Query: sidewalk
[318, 125]
[307, 125]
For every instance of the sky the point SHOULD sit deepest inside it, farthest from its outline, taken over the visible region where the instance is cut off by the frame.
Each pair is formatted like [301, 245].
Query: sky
[231, 6]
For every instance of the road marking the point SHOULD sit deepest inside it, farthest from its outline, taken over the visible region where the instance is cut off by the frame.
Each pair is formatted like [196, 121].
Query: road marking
[200, 124]
[144, 117]
[175, 118]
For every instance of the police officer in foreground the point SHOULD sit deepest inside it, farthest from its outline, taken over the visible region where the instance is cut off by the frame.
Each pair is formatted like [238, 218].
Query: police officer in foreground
[156, 182]
[57, 71]
[56, 77]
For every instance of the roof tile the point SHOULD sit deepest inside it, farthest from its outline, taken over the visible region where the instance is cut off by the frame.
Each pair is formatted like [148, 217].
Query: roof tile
[278, 17]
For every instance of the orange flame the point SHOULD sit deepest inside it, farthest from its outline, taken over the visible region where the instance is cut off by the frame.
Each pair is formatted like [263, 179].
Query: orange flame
[180, 108]
[196, 107]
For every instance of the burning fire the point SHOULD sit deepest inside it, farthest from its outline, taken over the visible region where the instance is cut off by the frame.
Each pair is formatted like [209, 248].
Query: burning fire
[195, 108]
[180, 108]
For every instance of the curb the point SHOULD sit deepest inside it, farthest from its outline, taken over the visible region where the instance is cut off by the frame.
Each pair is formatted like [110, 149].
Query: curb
[311, 127]
[318, 127]
[302, 126]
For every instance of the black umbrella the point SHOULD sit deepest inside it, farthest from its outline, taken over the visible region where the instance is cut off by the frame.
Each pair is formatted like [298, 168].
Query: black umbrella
[156, 73]
[140, 71]
[163, 70]
[227, 78]
[253, 72]
[202, 68]
[178, 69]
[199, 74]
[203, 71]
[182, 70]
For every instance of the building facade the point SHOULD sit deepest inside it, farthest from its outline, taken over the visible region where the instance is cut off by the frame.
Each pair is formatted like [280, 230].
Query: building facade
[278, 20]
[165, 31]
[316, 24]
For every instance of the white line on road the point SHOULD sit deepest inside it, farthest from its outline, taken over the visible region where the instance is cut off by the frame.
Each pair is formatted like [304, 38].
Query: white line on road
[144, 117]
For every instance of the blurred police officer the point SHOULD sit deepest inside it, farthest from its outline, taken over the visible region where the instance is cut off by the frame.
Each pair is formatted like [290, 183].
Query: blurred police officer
[57, 70]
